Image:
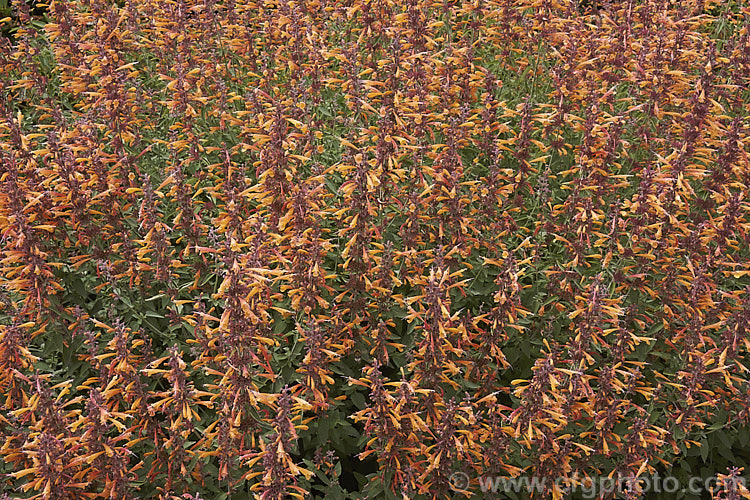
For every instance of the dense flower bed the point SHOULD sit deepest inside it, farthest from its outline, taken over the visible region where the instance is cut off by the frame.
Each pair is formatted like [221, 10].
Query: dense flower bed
[353, 248]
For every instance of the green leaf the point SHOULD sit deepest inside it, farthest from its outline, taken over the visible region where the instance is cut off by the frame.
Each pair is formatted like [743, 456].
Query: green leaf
[742, 438]
[704, 449]
[323, 426]
[359, 400]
